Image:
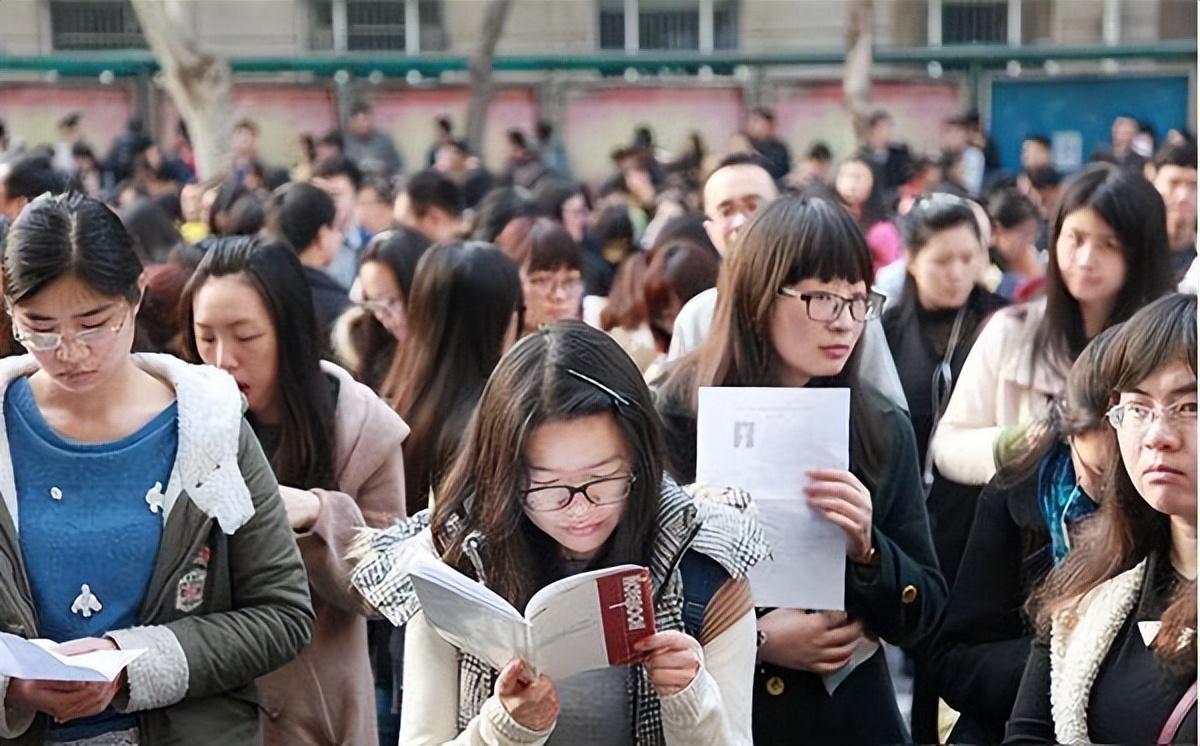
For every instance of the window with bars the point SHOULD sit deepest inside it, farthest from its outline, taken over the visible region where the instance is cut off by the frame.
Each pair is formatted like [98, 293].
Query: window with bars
[669, 25]
[94, 24]
[377, 25]
[974, 22]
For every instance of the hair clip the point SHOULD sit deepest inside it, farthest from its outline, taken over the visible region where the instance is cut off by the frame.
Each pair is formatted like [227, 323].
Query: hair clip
[617, 398]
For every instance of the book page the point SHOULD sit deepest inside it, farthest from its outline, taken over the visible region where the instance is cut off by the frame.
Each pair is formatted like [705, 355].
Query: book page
[469, 615]
[37, 660]
[763, 440]
[569, 633]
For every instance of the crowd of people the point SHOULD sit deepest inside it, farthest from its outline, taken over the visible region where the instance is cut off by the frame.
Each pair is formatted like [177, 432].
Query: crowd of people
[236, 411]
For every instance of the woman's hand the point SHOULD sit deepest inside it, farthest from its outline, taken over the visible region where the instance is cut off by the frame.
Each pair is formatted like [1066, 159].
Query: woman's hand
[532, 702]
[68, 700]
[302, 507]
[841, 498]
[673, 659]
[821, 642]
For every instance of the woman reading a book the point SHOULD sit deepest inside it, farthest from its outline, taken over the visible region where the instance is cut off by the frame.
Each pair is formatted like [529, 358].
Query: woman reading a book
[793, 302]
[562, 472]
[138, 510]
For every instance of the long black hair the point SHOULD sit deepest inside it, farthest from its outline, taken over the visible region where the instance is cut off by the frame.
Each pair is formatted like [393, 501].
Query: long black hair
[463, 299]
[71, 235]
[304, 457]
[563, 371]
[1133, 208]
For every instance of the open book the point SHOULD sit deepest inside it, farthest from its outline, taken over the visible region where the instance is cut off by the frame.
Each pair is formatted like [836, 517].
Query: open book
[37, 659]
[576, 624]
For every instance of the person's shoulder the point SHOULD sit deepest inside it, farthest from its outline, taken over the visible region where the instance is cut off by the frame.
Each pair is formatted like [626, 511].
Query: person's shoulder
[362, 411]
[701, 304]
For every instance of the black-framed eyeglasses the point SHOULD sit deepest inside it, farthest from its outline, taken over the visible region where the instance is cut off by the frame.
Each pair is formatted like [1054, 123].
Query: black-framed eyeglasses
[599, 492]
[825, 307]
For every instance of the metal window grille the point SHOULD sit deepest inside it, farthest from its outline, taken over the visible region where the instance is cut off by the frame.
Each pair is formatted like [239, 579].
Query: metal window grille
[433, 27]
[669, 25]
[974, 22]
[378, 25]
[94, 24]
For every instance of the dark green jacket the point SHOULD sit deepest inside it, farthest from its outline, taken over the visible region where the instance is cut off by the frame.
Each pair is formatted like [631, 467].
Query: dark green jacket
[222, 608]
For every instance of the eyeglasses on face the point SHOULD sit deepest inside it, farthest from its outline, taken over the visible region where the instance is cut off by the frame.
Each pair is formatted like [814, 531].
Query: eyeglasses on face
[1137, 418]
[546, 283]
[88, 337]
[822, 306]
[382, 306]
[599, 492]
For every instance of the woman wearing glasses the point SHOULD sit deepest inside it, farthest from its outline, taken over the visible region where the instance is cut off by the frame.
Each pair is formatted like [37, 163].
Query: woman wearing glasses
[335, 449]
[366, 337]
[1024, 525]
[1115, 657]
[792, 305]
[1108, 258]
[562, 472]
[138, 511]
[551, 274]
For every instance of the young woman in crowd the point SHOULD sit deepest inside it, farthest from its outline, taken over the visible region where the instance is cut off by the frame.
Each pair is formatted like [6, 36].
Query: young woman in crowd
[138, 509]
[792, 305]
[562, 472]
[1015, 226]
[624, 313]
[551, 275]
[464, 312]
[366, 338]
[1115, 656]
[1108, 258]
[1023, 526]
[680, 269]
[335, 448]
[854, 184]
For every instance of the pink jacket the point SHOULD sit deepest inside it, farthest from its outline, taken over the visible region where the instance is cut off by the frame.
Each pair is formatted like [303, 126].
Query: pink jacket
[327, 695]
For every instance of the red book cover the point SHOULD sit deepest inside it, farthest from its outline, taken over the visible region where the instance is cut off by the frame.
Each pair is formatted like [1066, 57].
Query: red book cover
[627, 609]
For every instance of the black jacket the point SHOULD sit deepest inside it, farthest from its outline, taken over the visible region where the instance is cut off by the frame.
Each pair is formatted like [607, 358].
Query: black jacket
[330, 299]
[899, 600]
[978, 654]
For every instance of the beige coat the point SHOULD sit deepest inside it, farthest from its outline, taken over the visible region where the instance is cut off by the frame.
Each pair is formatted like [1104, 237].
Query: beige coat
[997, 388]
[327, 695]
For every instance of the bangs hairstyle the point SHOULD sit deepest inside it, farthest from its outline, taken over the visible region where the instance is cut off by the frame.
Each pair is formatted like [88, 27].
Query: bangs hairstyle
[1127, 530]
[792, 239]
[1135, 212]
[71, 235]
[563, 371]
[304, 457]
[548, 247]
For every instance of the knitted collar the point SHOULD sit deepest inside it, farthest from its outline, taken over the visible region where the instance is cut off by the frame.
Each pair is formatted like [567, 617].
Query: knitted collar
[210, 421]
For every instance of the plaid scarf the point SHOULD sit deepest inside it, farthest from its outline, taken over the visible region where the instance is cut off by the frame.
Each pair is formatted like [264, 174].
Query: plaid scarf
[711, 522]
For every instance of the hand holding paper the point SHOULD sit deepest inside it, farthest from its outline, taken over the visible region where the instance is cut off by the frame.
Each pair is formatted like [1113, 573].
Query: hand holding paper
[43, 660]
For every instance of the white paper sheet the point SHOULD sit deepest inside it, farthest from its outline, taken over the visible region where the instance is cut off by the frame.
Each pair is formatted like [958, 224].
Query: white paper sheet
[36, 660]
[862, 652]
[763, 440]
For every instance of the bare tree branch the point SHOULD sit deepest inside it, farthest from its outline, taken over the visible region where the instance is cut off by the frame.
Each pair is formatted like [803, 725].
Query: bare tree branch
[200, 83]
[482, 85]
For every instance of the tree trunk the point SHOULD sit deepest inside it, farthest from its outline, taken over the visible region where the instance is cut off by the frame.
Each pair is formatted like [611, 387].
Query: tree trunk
[199, 82]
[856, 73]
[482, 86]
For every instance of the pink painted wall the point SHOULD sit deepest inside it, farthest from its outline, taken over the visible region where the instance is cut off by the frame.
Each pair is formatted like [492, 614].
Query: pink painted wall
[598, 121]
[282, 112]
[816, 111]
[31, 111]
[408, 115]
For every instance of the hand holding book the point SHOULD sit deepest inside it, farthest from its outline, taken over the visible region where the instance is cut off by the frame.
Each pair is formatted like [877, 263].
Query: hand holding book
[530, 700]
[672, 659]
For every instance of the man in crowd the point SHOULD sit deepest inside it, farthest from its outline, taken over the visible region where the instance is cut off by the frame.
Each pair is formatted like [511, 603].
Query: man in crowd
[340, 179]
[454, 159]
[761, 129]
[434, 206]
[370, 149]
[1121, 152]
[1173, 173]
[373, 205]
[888, 159]
[25, 179]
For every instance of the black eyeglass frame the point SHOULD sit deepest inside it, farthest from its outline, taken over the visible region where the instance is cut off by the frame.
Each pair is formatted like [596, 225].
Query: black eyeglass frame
[581, 489]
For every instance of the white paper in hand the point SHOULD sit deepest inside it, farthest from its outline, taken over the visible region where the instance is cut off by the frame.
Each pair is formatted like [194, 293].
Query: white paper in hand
[36, 660]
[763, 440]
